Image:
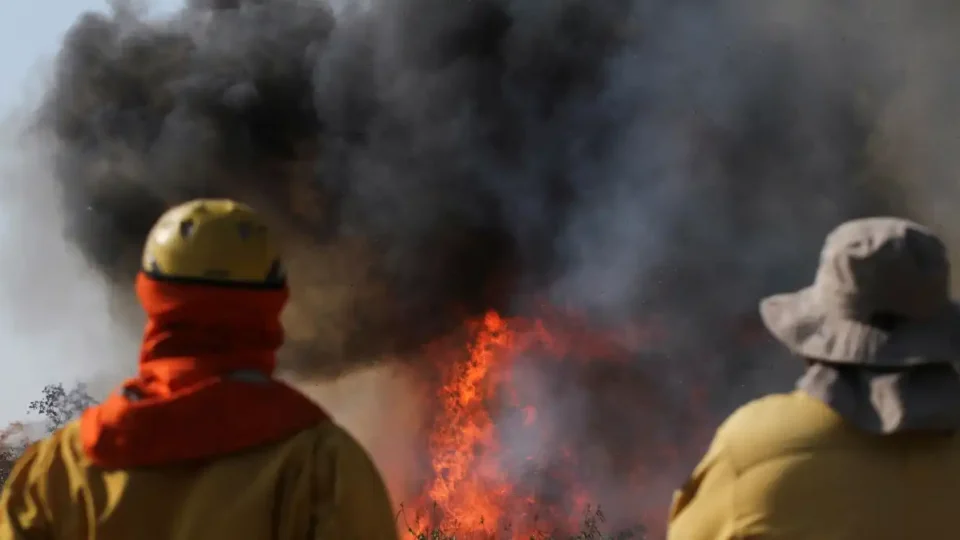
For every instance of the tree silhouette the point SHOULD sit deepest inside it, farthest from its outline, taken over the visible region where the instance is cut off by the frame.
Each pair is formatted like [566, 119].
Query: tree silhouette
[57, 406]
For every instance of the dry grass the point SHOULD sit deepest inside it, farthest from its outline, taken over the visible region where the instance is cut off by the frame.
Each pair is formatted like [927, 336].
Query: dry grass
[592, 528]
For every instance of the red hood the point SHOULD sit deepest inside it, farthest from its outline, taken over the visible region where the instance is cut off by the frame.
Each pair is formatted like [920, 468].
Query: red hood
[184, 403]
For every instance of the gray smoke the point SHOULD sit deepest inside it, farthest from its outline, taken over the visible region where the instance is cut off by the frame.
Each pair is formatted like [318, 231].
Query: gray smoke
[439, 159]
[631, 160]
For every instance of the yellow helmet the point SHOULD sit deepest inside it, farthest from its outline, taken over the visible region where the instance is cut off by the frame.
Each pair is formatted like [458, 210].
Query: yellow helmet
[216, 241]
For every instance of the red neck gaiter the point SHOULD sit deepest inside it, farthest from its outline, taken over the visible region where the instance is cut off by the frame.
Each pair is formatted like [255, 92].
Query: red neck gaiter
[205, 386]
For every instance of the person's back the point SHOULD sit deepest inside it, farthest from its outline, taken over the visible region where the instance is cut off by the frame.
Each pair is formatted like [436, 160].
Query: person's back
[868, 446]
[203, 443]
[318, 484]
[787, 466]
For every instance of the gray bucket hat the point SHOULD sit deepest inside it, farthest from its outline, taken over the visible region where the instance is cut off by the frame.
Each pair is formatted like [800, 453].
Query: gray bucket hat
[871, 270]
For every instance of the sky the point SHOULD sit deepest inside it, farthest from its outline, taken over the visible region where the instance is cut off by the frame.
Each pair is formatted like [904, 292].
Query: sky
[32, 354]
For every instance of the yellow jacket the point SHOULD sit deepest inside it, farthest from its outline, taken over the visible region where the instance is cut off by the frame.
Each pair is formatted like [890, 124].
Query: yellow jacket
[318, 484]
[787, 467]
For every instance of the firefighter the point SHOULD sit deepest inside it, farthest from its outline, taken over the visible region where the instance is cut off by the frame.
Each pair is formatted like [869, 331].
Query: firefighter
[867, 446]
[203, 444]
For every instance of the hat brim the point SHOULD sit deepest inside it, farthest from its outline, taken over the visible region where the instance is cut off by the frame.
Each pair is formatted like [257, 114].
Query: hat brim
[799, 322]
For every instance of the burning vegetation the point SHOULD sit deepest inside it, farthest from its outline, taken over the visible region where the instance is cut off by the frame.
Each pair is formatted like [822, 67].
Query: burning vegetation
[486, 475]
[651, 167]
[483, 484]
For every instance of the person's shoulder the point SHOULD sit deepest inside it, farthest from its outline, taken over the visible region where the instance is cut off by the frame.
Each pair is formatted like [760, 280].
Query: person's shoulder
[328, 436]
[336, 437]
[65, 439]
[788, 410]
[340, 450]
[40, 455]
[779, 424]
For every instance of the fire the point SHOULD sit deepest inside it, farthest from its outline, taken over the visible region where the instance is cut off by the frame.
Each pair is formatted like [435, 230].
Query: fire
[470, 492]
[474, 491]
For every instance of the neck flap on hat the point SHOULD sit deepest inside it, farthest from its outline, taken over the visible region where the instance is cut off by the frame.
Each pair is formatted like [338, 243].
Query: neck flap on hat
[911, 399]
[204, 386]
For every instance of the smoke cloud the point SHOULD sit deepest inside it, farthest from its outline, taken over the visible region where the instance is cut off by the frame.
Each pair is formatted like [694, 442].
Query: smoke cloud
[426, 160]
[429, 159]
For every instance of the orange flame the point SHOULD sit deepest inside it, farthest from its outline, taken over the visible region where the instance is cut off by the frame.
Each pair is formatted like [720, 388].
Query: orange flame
[469, 496]
[471, 492]
[475, 491]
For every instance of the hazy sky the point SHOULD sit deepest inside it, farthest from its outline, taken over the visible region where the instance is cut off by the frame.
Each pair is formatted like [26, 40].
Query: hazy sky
[31, 356]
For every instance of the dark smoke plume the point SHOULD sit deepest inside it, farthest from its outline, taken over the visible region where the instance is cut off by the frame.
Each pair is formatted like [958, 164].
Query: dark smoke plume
[430, 159]
[426, 160]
